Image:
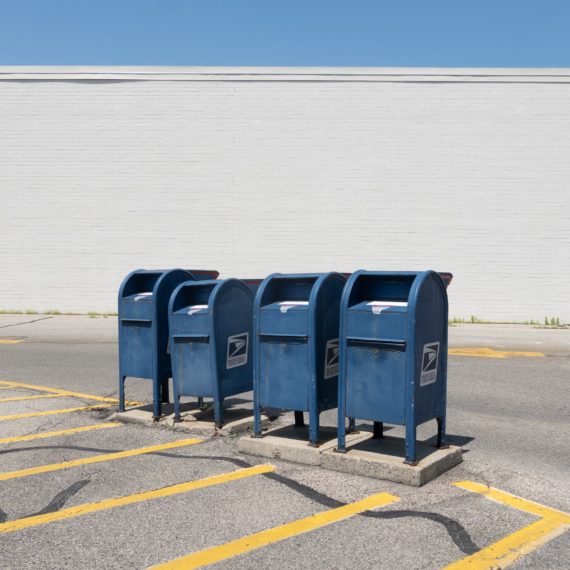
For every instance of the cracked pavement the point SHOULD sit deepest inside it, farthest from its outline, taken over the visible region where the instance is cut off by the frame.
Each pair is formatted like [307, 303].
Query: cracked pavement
[510, 415]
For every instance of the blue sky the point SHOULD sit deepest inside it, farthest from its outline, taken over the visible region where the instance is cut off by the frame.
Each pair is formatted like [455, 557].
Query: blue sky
[469, 33]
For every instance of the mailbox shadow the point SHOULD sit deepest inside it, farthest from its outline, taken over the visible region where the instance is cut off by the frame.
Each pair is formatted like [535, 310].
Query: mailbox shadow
[191, 412]
[458, 440]
[396, 446]
[391, 446]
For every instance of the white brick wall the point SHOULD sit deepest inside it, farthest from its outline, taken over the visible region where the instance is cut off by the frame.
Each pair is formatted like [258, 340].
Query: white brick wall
[255, 174]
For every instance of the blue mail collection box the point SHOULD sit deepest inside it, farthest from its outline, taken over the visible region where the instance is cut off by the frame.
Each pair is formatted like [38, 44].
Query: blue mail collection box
[210, 340]
[296, 346]
[393, 352]
[143, 328]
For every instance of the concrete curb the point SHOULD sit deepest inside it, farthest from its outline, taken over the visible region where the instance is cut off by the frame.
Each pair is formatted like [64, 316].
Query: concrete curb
[194, 421]
[376, 458]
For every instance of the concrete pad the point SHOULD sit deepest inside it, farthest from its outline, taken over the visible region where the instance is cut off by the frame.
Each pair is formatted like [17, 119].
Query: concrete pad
[377, 458]
[384, 459]
[291, 443]
[194, 420]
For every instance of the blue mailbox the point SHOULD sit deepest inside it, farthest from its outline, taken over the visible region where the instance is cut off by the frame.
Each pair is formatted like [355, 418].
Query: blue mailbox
[295, 347]
[143, 328]
[210, 332]
[393, 352]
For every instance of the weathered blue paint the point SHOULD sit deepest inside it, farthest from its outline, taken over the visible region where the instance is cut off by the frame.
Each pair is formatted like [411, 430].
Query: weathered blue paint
[143, 328]
[210, 341]
[295, 316]
[390, 370]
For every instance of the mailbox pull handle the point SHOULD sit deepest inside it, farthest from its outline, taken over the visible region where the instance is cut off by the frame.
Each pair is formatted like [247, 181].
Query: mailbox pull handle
[191, 338]
[377, 343]
[140, 322]
[283, 337]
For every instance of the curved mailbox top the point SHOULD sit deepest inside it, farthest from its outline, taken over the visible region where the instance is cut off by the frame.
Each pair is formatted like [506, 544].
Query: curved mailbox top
[144, 284]
[292, 292]
[198, 297]
[387, 290]
[445, 275]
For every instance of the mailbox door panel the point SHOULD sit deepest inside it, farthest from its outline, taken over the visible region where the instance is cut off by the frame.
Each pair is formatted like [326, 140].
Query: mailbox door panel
[234, 313]
[375, 381]
[293, 321]
[193, 368]
[284, 375]
[136, 349]
[387, 325]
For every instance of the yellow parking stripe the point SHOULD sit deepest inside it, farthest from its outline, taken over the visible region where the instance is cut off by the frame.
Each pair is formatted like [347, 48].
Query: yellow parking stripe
[62, 392]
[516, 545]
[46, 434]
[53, 412]
[35, 397]
[509, 549]
[510, 500]
[11, 340]
[277, 534]
[97, 459]
[484, 352]
[87, 508]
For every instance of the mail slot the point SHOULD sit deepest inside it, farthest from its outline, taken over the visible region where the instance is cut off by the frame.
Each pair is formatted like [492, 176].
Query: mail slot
[393, 352]
[143, 328]
[210, 341]
[296, 346]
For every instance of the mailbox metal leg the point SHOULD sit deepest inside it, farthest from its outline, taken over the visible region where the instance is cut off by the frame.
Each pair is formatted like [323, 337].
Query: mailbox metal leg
[411, 444]
[177, 417]
[441, 432]
[156, 401]
[164, 390]
[299, 419]
[256, 421]
[121, 393]
[314, 429]
[351, 425]
[378, 430]
[341, 442]
[219, 413]
[176, 401]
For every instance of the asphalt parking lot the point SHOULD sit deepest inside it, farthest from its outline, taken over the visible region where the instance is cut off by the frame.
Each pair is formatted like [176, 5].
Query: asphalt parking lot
[77, 490]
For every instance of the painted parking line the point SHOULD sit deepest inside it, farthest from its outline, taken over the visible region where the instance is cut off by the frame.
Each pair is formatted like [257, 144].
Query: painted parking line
[11, 340]
[277, 534]
[97, 459]
[34, 397]
[63, 432]
[516, 545]
[484, 352]
[87, 508]
[61, 392]
[53, 412]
